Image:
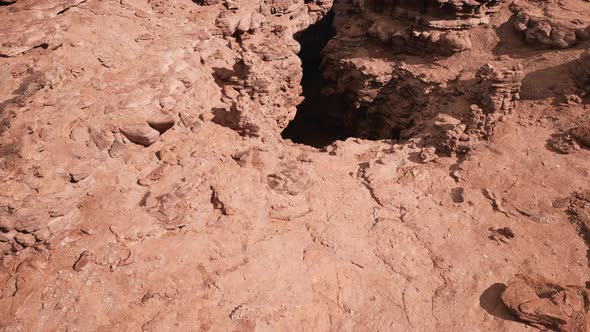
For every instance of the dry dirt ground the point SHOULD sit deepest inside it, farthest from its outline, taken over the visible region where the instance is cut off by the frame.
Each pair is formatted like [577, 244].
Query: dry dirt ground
[145, 185]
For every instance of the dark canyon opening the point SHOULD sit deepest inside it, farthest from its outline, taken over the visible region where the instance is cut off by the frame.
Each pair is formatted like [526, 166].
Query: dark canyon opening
[318, 121]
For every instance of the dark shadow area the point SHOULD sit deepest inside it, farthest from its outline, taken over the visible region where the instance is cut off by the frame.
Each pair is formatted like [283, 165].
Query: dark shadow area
[230, 117]
[548, 82]
[557, 83]
[490, 300]
[457, 195]
[322, 119]
[513, 44]
[317, 122]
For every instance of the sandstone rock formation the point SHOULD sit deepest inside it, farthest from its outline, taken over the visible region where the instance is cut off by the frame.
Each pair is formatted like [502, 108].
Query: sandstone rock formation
[148, 181]
[430, 26]
[551, 24]
[497, 93]
[546, 305]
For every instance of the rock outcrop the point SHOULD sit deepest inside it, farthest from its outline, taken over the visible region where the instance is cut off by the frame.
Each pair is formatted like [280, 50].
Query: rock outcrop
[551, 24]
[253, 86]
[497, 93]
[147, 181]
[264, 72]
[387, 99]
[425, 27]
[544, 304]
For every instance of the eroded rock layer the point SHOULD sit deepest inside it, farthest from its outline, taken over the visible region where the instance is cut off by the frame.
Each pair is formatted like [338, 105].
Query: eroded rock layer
[551, 24]
[146, 184]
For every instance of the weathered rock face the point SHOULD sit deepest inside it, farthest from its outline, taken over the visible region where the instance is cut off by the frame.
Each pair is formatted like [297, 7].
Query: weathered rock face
[581, 71]
[441, 14]
[546, 305]
[497, 93]
[547, 24]
[579, 210]
[388, 99]
[144, 182]
[425, 27]
[264, 72]
[131, 97]
[385, 98]
[572, 139]
[499, 90]
[582, 134]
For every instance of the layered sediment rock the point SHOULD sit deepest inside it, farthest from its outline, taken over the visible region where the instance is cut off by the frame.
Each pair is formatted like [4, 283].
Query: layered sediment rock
[440, 14]
[551, 24]
[383, 96]
[544, 304]
[499, 90]
[427, 27]
[387, 98]
[494, 96]
[144, 183]
[265, 72]
[497, 94]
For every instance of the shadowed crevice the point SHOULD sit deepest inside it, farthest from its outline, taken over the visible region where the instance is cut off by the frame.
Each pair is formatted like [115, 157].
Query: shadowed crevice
[318, 120]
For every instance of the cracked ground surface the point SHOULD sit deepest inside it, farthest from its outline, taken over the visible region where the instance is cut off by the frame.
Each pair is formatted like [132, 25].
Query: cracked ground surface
[145, 185]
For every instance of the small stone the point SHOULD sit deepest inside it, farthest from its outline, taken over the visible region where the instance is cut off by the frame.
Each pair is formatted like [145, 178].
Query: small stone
[573, 99]
[167, 103]
[99, 138]
[80, 134]
[168, 156]
[79, 174]
[6, 237]
[6, 224]
[42, 235]
[230, 91]
[141, 134]
[162, 123]
[25, 240]
[207, 116]
[83, 260]
[5, 248]
[428, 155]
[506, 232]
[117, 149]
[582, 134]
[455, 42]
[304, 157]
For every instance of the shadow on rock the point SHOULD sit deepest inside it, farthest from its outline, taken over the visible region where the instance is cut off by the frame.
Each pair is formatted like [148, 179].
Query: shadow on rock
[490, 300]
[553, 80]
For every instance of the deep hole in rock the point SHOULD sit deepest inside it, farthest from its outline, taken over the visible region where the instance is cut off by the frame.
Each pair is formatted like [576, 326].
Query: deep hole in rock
[318, 121]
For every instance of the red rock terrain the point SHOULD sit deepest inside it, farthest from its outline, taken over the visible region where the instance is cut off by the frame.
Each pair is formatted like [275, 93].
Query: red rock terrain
[244, 165]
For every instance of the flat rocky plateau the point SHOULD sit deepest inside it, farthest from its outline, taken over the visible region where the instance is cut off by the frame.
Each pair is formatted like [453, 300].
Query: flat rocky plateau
[291, 165]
